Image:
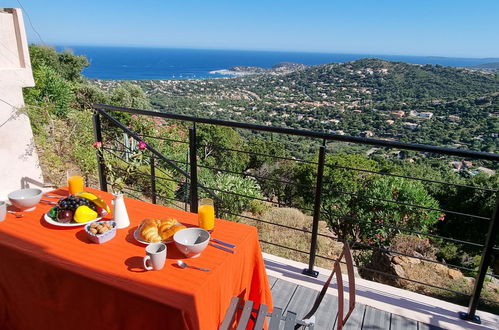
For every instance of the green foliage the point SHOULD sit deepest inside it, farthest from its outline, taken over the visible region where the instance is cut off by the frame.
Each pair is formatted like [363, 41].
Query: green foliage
[86, 95]
[236, 193]
[374, 208]
[265, 147]
[339, 201]
[213, 142]
[82, 138]
[50, 89]
[164, 186]
[130, 96]
[480, 202]
[66, 64]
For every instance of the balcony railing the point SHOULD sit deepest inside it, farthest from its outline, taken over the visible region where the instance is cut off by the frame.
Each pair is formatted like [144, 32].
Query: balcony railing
[181, 168]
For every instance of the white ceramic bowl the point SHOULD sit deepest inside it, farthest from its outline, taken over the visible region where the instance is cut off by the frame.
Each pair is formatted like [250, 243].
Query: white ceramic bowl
[191, 241]
[25, 199]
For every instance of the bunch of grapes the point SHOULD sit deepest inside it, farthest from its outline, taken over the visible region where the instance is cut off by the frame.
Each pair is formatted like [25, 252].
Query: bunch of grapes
[73, 202]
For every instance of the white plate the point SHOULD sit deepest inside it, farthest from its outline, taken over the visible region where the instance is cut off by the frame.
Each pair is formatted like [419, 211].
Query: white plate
[70, 224]
[138, 237]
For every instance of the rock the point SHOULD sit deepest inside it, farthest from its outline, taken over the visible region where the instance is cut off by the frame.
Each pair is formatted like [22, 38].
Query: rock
[413, 260]
[441, 268]
[399, 270]
[397, 260]
[455, 274]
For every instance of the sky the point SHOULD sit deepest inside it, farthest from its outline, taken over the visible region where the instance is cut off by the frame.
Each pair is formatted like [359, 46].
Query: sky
[455, 28]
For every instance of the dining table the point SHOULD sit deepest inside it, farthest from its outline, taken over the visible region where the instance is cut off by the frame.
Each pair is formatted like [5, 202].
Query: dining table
[53, 277]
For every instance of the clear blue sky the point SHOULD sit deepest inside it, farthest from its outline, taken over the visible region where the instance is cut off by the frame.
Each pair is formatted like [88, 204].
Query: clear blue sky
[460, 28]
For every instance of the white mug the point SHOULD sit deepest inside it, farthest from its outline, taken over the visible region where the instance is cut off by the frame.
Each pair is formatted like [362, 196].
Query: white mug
[156, 255]
[3, 210]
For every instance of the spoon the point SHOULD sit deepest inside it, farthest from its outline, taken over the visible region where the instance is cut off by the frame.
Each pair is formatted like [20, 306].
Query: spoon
[18, 215]
[183, 265]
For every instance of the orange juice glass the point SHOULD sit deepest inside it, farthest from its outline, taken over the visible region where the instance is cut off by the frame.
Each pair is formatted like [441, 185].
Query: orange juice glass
[206, 214]
[75, 184]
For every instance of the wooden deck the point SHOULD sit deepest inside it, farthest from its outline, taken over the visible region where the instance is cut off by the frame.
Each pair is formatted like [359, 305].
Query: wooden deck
[299, 299]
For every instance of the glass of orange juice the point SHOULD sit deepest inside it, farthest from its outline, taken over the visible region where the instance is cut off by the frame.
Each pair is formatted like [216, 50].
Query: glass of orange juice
[75, 182]
[206, 214]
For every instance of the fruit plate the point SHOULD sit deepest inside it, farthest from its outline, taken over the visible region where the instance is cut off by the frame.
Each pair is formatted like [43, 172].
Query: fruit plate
[70, 224]
[138, 238]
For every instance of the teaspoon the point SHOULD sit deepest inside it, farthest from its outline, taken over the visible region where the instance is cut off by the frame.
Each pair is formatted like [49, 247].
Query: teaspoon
[183, 265]
[18, 215]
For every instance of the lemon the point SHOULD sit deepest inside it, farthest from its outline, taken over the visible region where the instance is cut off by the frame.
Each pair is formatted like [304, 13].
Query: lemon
[84, 213]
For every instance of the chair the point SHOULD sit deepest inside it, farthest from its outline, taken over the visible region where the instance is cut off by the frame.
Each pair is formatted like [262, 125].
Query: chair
[258, 316]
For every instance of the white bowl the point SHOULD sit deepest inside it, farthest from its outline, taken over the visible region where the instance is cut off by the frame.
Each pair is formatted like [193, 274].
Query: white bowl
[25, 199]
[191, 241]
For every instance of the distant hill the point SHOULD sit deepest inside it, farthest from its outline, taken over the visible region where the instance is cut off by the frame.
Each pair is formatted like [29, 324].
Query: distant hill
[279, 68]
[490, 67]
[429, 104]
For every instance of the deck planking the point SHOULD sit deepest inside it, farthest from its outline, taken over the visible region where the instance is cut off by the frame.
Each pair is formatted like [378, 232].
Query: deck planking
[299, 299]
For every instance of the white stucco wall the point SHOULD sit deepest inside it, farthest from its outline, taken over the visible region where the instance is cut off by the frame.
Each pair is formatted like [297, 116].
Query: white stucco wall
[19, 166]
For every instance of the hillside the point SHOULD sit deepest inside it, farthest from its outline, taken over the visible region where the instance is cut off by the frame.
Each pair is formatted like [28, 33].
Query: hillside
[487, 67]
[369, 97]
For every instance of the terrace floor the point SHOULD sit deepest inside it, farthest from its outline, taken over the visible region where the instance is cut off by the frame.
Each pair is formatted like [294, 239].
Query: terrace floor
[378, 306]
[299, 299]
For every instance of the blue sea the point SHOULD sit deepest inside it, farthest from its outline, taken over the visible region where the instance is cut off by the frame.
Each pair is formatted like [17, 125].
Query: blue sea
[127, 63]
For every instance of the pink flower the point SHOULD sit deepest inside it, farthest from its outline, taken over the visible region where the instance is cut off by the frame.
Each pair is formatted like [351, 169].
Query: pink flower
[441, 217]
[142, 145]
[97, 144]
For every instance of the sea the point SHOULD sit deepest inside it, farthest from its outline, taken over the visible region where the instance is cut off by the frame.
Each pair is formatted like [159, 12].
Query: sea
[133, 63]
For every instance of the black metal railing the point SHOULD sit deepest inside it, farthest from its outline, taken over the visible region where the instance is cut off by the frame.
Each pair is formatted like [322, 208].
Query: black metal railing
[186, 174]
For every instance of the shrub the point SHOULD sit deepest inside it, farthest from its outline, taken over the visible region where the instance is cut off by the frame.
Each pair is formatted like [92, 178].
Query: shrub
[375, 207]
[50, 88]
[236, 193]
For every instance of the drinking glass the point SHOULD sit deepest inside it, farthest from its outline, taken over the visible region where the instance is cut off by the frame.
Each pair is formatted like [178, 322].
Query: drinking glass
[206, 214]
[75, 182]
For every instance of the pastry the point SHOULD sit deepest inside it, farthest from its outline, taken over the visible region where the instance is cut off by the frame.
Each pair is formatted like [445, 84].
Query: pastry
[167, 234]
[157, 230]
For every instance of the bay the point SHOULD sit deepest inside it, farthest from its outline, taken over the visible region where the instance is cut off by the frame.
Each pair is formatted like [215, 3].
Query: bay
[134, 63]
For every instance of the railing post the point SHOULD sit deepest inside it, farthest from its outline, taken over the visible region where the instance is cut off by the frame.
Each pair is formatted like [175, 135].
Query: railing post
[193, 169]
[317, 211]
[153, 180]
[101, 167]
[482, 270]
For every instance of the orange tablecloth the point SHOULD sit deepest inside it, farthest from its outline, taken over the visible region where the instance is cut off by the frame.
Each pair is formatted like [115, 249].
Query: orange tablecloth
[54, 278]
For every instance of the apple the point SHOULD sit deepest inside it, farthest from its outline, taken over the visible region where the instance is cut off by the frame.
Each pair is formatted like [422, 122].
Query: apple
[100, 211]
[65, 216]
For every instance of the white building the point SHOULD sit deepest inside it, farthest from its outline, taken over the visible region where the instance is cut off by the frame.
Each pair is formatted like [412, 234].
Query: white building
[19, 165]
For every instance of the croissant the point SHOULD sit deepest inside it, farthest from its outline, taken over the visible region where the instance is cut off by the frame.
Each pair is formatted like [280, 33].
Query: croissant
[157, 230]
[167, 234]
[149, 232]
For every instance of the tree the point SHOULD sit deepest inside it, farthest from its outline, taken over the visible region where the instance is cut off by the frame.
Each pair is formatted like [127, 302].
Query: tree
[214, 143]
[389, 200]
[265, 147]
[340, 189]
[50, 90]
[66, 64]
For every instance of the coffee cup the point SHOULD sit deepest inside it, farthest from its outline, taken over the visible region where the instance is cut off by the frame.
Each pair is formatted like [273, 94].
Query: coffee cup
[3, 210]
[155, 255]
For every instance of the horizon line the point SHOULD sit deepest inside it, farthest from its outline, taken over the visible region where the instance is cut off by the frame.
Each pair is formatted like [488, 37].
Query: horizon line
[262, 50]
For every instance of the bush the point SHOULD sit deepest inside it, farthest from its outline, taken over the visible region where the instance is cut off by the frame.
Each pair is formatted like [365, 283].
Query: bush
[375, 210]
[236, 194]
[50, 88]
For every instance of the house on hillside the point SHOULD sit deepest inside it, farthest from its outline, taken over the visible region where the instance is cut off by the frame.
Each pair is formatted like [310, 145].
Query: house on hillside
[397, 113]
[409, 125]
